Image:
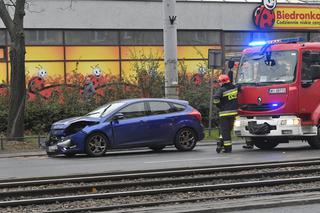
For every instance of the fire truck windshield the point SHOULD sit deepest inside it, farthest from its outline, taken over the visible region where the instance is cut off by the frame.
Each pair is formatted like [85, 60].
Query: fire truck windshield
[270, 67]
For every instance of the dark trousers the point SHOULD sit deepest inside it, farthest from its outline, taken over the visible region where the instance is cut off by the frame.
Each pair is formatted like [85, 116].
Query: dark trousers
[226, 126]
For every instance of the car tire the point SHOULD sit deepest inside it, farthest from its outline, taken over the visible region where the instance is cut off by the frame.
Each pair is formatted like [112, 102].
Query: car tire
[265, 144]
[96, 144]
[314, 142]
[185, 139]
[157, 148]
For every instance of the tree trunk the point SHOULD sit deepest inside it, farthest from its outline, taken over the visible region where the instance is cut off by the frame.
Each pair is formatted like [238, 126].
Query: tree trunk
[17, 85]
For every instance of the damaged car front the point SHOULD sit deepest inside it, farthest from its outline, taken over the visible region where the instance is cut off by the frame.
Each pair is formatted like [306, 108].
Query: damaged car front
[68, 137]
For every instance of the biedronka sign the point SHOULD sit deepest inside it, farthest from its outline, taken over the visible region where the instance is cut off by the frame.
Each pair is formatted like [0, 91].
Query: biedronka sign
[270, 16]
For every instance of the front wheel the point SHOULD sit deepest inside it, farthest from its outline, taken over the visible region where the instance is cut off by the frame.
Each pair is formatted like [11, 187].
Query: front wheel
[185, 139]
[265, 143]
[314, 142]
[96, 144]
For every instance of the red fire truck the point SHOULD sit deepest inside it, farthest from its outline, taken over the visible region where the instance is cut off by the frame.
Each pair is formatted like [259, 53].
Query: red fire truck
[279, 93]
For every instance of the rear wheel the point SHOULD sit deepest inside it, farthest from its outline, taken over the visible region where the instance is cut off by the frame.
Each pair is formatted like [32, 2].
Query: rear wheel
[314, 142]
[265, 143]
[96, 144]
[157, 148]
[185, 139]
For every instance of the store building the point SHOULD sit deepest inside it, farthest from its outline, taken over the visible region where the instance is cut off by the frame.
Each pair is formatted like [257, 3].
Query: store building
[106, 37]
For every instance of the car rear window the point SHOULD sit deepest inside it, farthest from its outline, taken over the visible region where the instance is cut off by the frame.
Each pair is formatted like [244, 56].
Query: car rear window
[178, 107]
[158, 107]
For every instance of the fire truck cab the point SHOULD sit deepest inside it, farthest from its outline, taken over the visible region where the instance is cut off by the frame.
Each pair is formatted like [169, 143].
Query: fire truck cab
[279, 93]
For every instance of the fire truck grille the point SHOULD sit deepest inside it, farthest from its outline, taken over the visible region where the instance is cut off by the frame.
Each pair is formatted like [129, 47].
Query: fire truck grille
[261, 107]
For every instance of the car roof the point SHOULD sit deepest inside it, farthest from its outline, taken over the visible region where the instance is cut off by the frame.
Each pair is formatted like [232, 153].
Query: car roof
[133, 100]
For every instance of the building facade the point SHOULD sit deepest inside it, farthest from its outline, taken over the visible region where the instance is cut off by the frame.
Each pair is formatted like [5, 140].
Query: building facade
[68, 40]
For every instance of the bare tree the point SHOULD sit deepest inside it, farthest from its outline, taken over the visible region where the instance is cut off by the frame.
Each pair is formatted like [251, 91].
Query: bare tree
[12, 13]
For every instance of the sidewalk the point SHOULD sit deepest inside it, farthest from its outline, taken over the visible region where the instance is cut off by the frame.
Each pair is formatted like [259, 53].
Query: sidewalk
[4, 154]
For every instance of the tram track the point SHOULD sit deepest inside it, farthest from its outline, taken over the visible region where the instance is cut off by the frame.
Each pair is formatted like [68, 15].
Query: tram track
[164, 184]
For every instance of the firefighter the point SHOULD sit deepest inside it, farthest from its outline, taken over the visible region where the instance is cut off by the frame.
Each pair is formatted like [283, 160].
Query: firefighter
[226, 100]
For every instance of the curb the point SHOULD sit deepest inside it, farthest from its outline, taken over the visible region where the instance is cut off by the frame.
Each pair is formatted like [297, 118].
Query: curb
[43, 153]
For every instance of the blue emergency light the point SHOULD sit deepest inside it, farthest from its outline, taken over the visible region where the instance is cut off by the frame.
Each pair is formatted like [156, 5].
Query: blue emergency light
[277, 41]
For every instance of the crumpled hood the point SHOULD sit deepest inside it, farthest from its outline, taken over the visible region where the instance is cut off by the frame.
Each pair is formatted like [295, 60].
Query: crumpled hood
[62, 124]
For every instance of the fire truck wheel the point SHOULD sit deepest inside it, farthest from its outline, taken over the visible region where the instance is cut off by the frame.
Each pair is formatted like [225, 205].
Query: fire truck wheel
[314, 142]
[265, 143]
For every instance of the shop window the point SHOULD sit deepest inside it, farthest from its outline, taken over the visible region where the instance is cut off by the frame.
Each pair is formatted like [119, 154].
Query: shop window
[234, 51]
[43, 37]
[87, 37]
[237, 38]
[198, 37]
[314, 37]
[135, 37]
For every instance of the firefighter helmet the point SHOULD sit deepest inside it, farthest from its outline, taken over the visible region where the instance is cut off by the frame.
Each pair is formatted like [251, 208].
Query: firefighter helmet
[224, 79]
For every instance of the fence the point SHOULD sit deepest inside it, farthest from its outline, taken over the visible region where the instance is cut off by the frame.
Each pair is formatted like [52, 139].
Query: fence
[21, 143]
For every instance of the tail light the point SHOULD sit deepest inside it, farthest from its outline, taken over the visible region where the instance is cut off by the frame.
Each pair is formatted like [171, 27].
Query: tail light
[195, 113]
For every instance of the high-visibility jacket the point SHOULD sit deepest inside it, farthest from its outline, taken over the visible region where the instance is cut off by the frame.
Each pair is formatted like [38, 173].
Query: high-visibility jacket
[226, 100]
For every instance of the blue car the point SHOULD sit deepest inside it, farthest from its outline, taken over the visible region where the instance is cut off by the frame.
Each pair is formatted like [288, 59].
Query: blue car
[153, 123]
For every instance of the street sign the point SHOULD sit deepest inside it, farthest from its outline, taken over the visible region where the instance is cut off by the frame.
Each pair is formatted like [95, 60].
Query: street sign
[215, 59]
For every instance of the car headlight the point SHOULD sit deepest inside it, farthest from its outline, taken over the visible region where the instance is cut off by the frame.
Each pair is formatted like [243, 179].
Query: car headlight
[237, 123]
[291, 122]
[65, 143]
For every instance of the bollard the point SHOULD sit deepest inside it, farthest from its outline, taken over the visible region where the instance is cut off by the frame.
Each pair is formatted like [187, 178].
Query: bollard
[1, 143]
[39, 140]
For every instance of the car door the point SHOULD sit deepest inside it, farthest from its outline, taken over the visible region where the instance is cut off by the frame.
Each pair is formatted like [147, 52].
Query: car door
[132, 130]
[160, 122]
[309, 97]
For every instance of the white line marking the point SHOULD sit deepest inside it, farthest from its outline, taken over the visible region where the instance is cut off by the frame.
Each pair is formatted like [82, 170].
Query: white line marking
[196, 159]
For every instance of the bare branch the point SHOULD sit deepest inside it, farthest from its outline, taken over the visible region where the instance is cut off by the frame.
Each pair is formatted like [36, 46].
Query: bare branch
[19, 13]
[12, 3]
[5, 16]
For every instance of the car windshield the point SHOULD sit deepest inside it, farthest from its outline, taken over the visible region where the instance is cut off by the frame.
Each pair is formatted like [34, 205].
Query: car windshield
[105, 109]
[267, 68]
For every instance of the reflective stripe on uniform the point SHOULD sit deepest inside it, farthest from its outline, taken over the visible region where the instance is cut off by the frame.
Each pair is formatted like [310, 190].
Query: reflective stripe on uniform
[229, 92]
[228, 113]
[216, 101]
[227, 143]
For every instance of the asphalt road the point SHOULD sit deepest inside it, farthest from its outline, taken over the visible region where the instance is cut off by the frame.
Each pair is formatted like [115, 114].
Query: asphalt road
[40, 166]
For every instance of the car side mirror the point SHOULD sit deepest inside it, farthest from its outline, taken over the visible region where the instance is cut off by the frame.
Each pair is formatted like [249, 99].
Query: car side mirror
[306, 83]
[118, 116]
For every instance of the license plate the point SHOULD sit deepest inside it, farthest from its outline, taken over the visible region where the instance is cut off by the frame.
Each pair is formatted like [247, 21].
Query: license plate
[52, 148]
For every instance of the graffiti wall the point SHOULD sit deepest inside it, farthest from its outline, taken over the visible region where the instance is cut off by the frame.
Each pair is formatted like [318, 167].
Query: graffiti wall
[48, 67]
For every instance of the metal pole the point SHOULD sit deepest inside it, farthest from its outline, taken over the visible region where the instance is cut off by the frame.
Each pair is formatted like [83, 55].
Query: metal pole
[170, 49]
[211, 100]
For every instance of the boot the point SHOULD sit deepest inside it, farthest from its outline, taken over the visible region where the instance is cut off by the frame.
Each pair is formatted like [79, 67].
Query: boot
[219, 146]
[227, 149]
